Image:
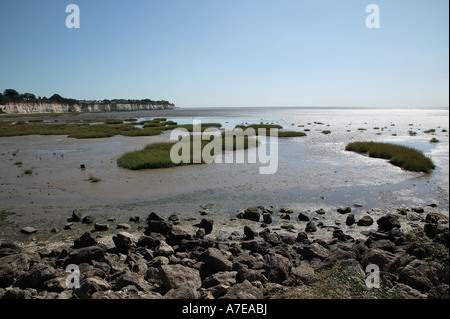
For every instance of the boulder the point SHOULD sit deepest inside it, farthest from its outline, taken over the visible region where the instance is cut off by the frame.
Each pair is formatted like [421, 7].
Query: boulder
[227, 278]
[385, 260]
[365, 221]
[304, 273]
[9, 248]
[35, 277]
[387, 222]
[422, 275]
[91, 285]
[154, 216]
[252, 213]
[135, 219]
[76, 215]
[132, 279]
[267, 218]
[350, 220]
[158, 226]
[164, 249]
[101, 227]
[345, 210]
[84, 255]
[301, 236]
[249, 232]
[123, 241]
[216, 260]
[151, 240]
[88, 219]
[311, 227]
[439, 292]
[303, 217]
[321, 211]
[244, 290]
[85, 240]
[207, 224]
[314, 250]
[175, 276]
[176, 235]
[184, 292]
[28, 230]
[276, 267]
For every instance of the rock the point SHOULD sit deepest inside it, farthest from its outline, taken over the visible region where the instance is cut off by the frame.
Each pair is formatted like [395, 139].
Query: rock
[387, 222]
[207, 224]
[439, 292]
[365, 221]
[205, 212]
[158, 226]
[277, 267]
[422, 275]
[176, 235]
[7, 275]
[174, 218]
[55, 230]
[57, 285]
[132, 279]
[339, 235]
[407, 292]
[304, 274]
[227, 278]
[101, 227]
[85, 240]
[252, 213]
[267, 218]
[249, 232]
[311, 227]
[442, 238]
[386, 245]
[151, 240]
[285, 216]
[402, 211]
[35, 277]
[28, 230]
[164, 250]
[200, 233]
[321, 211]
[286, 210]
[91, 285]
[345, 210]
[68, 226]
[244, 290]
[76, 215]
[302, 236]
[135, 219]
[303, 217]
[84, 255]
[88, 219]
[123, 226]
[175, 276]
[418, 210]
[154, 216]
[314, 250]
[433, 218]
[10, 248]
[216, 260]
[184, 292]
[123, 241]
[385, 260]
[350, 220]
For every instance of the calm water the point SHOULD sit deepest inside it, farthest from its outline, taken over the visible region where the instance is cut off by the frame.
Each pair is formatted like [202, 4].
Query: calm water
[313, 171]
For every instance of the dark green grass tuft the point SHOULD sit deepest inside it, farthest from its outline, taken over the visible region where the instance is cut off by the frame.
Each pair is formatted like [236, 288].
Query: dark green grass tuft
[407, 158]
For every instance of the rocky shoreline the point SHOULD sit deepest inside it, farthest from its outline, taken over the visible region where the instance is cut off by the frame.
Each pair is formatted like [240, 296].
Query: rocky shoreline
[164, 260]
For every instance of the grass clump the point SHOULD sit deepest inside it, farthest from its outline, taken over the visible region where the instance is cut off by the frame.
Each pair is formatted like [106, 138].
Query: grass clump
[157, 155]
[341, 283]
[326, 132]
[405, 157]
[434, 140]
[28, 171]
[93, 179]
[432, 130]
[18, 163]
[291, 134]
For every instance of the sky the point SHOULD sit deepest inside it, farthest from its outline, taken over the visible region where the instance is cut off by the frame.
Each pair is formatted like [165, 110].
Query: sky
[233, 53]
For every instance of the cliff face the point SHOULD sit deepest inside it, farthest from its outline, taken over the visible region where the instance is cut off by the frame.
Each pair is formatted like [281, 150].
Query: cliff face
[47, 107]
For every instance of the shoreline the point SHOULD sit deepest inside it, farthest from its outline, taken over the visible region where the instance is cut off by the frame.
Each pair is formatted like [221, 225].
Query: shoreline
[244, 259]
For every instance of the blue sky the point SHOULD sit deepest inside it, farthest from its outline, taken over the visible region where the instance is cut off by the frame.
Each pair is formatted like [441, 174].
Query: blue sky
[215, 53]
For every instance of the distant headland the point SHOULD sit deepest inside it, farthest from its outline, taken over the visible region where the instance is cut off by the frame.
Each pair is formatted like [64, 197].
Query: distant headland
[12, 102]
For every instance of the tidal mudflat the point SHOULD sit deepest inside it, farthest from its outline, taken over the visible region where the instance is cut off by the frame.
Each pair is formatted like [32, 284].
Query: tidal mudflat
[314, 171]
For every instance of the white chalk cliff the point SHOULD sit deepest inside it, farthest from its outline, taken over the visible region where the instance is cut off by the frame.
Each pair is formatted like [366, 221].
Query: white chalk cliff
[48, 107]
